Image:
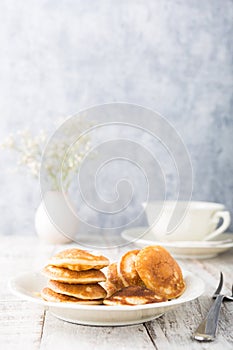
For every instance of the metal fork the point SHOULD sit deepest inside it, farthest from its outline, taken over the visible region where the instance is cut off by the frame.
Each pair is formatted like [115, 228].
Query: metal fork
[207, 329]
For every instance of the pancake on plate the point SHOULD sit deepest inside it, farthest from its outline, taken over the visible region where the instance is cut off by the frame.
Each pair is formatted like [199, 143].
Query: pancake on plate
[62, 274]
[127, 271]
[160, 272]
[49, 295]
[78, 260]
[114, 282]
[80, 291]
[133, 295]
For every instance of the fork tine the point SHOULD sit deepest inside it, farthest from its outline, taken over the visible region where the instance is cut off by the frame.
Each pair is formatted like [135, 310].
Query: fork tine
[219, 288]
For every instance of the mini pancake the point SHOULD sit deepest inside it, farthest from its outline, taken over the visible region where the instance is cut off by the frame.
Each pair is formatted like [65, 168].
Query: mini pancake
[110, 288]
[80, 291]
[78, 260]
[62, 274]
[160, 272]
[127, 271]
[133, 295]
[49, 295]
[114, 282]
[113, 276]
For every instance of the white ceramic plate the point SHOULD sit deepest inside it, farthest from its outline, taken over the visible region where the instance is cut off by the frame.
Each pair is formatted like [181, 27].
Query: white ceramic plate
[29, 285]
[190, 250]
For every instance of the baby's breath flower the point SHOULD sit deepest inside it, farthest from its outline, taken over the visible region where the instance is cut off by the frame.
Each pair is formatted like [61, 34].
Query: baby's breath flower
[8, 143]
[30, 151]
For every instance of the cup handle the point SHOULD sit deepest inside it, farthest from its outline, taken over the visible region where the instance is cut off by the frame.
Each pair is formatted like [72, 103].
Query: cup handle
[225, 215]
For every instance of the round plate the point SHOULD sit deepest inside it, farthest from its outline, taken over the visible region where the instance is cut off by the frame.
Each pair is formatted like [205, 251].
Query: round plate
[29, 285]
[188, 250]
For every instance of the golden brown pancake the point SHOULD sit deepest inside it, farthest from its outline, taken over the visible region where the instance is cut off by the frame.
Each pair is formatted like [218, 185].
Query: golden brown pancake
[78, 260]
[127, 270]
[110, 288]
[133, 295]
[113, 276]
[80, 291]
[114, 282]
[62, 274]
[49, 295]
[160, 272]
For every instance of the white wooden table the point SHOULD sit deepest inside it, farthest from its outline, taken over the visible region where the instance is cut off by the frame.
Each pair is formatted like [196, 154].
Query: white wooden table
[24, 325]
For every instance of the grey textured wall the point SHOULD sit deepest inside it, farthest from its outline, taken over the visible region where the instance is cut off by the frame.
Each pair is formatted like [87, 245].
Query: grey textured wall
[174, 56]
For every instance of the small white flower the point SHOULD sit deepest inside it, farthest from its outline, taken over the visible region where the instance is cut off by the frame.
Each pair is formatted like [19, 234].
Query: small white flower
[30, 151]
[9, 142]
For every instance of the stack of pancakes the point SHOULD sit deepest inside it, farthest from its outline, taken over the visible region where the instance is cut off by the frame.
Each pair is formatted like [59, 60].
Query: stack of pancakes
[144, 276]
[74, 276]
[149, 275]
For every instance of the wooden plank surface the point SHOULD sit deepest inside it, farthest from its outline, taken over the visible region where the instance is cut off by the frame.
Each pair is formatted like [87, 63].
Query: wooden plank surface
[20, 325]
[24, 325]
[57, 334]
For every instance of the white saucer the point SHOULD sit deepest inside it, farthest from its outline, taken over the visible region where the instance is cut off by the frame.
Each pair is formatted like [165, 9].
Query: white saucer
[189, 250]
[29, 285]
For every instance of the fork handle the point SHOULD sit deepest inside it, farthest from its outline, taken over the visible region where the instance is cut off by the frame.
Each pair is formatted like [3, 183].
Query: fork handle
[207, 329]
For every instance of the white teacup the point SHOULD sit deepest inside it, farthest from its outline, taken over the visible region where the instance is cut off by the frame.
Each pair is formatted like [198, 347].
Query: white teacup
[192, 221]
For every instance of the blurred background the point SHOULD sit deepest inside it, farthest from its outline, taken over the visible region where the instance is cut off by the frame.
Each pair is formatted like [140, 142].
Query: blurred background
[173, 56]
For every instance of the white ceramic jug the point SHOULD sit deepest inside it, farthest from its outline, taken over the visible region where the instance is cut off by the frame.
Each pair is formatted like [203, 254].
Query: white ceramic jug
[55, 222]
